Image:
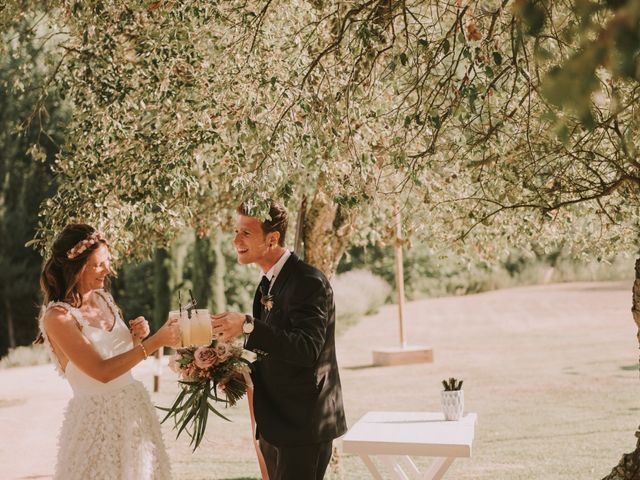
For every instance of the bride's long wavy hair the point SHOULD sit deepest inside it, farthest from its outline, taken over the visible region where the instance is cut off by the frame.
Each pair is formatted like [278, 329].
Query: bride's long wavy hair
[60, 275]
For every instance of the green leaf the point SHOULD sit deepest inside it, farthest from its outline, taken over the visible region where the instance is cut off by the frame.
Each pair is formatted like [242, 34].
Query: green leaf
[218, 413]
[446, 46]
[532, 15]
[562, 133]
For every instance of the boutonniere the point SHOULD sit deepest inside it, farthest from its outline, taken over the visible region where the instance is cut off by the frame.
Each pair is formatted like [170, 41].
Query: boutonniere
[266, 299]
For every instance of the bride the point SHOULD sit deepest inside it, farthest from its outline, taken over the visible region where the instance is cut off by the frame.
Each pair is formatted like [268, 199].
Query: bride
[110, 429]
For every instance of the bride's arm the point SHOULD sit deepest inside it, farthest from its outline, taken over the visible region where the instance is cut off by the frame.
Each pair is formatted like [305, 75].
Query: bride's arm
[62, 329]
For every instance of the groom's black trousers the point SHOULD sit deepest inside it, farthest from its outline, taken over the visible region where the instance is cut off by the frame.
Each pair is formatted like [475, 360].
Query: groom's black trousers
[306, 462]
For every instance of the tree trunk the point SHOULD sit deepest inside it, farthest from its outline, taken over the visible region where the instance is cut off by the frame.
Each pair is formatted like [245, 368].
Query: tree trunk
[201, 270]
[217, 302]
[629, 466]
[161, 291]
[10, 327]
[208, 273]
[328, 227]
[179, 252]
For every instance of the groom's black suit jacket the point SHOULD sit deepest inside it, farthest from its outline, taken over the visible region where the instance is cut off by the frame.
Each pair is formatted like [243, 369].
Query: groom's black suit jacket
[298, 398]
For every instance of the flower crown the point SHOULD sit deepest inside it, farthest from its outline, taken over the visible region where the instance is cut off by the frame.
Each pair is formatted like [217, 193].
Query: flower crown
[82, 245]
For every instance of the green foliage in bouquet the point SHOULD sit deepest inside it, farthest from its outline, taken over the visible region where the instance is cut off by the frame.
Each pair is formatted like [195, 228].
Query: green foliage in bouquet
[452, 384]
[204, 371]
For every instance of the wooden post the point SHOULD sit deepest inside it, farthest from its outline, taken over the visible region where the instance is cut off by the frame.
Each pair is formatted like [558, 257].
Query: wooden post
[156, 373]
[297, 244]
[400, 276]
[403, 354]
[161, 300]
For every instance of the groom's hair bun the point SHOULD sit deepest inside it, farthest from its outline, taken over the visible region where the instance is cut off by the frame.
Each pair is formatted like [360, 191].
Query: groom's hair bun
[278, 220]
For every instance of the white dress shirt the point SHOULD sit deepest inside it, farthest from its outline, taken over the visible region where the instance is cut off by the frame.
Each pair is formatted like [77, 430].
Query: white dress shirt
[275, 270]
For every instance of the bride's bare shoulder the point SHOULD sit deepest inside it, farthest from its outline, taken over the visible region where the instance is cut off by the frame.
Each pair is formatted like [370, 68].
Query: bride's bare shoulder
[57, 316]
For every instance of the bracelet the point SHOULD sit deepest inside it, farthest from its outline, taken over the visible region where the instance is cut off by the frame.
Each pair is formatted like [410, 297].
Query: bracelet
[144, 350]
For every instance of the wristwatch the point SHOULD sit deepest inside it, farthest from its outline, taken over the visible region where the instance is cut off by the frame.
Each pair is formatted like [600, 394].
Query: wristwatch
[248, 326]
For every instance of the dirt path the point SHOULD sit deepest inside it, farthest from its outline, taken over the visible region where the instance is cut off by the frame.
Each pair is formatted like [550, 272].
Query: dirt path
[550, 371]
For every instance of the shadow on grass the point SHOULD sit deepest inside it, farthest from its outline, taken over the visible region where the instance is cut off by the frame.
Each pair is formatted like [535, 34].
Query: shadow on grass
[635, 366]
[360, 367]
[609, 286]
[12, 402]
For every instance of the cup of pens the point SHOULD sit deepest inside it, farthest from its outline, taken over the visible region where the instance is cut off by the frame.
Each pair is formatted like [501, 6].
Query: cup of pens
[195, 324]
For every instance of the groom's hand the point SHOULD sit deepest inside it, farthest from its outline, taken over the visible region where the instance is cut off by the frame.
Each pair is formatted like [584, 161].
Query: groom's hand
[227, 325]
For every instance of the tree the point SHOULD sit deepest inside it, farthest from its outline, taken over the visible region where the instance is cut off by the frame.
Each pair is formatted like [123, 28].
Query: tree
[469, 115]
[174, 133]
[208, 273]
[570, 156]
[29, 141]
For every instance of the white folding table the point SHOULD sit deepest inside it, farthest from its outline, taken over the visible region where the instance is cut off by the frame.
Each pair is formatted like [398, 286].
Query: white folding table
[397, 436]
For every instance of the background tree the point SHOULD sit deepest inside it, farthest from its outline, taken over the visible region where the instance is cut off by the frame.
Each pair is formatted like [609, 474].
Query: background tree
[29, 140]
[184, 129]
[208, 273]
[570, 156]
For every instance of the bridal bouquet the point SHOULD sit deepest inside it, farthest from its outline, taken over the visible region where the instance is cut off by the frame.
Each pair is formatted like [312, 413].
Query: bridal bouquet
[208, 375]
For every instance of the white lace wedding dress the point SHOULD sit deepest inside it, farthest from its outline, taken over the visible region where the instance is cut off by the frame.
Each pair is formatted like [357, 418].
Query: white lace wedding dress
[110, 430]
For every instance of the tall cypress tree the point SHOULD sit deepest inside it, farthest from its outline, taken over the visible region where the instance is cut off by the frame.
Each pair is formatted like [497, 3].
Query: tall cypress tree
[208, 273]
[32, 119]
[161, 288]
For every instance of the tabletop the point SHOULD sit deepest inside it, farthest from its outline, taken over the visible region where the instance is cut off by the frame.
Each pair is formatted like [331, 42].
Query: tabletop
[411, 433]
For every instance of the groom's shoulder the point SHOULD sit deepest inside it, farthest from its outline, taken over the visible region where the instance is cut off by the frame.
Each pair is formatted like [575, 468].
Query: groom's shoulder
[309, 271]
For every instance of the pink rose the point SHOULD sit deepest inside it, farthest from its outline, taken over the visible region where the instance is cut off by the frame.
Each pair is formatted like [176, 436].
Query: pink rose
[205, 357]
[189, 373]
[223, 351]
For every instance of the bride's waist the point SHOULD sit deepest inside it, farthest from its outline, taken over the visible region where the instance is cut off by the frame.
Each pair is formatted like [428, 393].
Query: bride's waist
[83, 384]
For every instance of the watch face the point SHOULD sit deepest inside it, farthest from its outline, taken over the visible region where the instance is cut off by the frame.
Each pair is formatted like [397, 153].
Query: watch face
[247, 327]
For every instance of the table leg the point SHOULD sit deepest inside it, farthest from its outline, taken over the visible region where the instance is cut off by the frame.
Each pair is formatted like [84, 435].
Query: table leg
[438, 468]
[414, 473]
[371, 466]
[396, 469]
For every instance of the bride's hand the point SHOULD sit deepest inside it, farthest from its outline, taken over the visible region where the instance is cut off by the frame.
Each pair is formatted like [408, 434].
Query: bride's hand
[139, 328]
[169, 333]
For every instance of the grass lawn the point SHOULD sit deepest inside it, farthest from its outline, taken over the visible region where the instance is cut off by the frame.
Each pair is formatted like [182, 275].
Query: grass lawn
[551, 372]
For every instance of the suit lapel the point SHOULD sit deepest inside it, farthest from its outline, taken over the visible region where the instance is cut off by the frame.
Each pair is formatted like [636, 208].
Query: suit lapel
[284, 274]
[281, 280]
[256, 303]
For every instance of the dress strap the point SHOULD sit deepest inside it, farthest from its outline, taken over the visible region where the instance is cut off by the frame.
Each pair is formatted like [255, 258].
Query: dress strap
[108, 298]
[75, 313]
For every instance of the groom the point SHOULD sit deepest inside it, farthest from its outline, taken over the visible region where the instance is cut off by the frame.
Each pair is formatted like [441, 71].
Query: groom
[298, 398]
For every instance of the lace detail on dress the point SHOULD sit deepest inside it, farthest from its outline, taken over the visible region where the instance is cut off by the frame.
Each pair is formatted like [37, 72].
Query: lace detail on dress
[112, 436]
[75, 313]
